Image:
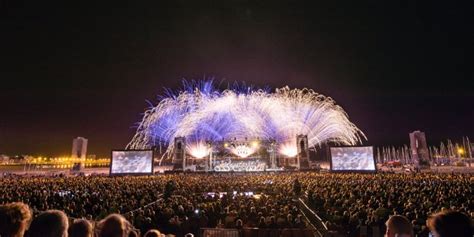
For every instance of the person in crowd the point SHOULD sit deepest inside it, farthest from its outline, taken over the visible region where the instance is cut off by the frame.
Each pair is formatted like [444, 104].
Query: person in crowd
[81, 228]
[51, 223]
[399, 226]
[239, 224]
[133, 233]
[261, 223]
[114, 225]
[450, 223]
[153, 233]
[14, 219]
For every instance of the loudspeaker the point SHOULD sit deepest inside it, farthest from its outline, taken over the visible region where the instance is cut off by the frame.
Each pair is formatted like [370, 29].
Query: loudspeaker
[179, 153]
[302, 158]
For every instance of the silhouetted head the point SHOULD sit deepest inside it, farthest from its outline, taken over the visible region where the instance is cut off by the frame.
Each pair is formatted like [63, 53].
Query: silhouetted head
[81, 228]
[114, 225]
[14, 218]
[450, 223]
[52, 223]
[399, 226]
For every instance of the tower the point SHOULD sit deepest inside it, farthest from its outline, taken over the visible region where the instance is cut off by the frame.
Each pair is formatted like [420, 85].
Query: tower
[79, 150]
[419, 149]
[179, 155]
[302, 157]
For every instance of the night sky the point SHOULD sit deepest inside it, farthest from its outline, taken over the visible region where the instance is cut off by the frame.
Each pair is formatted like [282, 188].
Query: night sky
[87, 69]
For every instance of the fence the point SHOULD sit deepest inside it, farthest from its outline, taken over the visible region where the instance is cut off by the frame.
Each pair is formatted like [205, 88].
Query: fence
[317, 223]
[130, 213]
[256, 232]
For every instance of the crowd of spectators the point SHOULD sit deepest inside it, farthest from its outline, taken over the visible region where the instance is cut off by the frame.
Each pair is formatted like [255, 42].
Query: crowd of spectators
[351, 203]
[184, 203]
[181, 203]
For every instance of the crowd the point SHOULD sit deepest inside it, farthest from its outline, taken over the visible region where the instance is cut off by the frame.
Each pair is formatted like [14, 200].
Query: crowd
[182, 203]
[351, 203]
[178, 204]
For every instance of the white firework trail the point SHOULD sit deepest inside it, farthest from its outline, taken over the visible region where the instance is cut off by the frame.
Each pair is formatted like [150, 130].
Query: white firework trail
[203, 114]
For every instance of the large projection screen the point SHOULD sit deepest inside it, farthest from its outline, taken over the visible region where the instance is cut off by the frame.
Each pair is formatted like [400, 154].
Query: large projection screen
[352, 159]
[131, 162]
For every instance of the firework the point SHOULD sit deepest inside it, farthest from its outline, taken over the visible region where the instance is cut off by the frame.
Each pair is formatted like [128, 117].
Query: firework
[203, 115]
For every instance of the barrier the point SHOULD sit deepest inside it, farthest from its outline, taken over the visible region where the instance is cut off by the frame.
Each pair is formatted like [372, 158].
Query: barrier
[256, 232]
[128, 214]
[316, 221]
[214, 232]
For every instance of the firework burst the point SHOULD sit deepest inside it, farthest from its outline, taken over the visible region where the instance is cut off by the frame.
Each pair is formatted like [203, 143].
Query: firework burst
[201, 113]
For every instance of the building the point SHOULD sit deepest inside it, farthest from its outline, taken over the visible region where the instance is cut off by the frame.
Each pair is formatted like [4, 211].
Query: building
[419, 149]
[4, 158]
[79, 148]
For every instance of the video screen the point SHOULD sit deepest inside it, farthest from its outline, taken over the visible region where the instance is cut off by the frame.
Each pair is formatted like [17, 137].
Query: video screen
[352, 159]
[132, 162]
